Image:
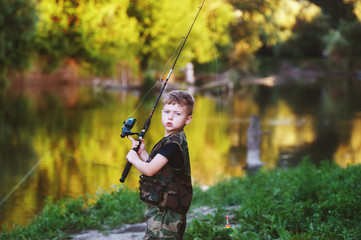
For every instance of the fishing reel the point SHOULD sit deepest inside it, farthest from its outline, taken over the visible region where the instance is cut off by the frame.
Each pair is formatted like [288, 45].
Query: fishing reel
[127, 127]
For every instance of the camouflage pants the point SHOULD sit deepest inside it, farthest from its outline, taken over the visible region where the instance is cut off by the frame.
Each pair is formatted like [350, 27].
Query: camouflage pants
[162, 225]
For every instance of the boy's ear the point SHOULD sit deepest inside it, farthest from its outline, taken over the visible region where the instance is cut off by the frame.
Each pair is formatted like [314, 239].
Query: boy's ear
[189, 119]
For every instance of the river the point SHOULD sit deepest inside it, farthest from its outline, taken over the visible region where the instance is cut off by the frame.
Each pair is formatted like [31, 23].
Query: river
[65, 141]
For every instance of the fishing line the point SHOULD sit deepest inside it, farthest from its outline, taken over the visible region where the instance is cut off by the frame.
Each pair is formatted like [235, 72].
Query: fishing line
[89, 161]
[216, 59]
[182, 40]
[174, 52]
[143, 99]
[128, 124]
[94, 162]
[159, 80]
[164, 69]
[38, 163]
[22, 180]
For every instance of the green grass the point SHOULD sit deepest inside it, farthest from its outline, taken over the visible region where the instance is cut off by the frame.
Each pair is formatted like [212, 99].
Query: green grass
[302, 203]
[306, 202]
[61, 219]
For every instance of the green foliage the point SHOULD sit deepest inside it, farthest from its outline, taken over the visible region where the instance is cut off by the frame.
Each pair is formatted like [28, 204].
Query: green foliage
[58, 220]
[336, 45]
[162, 24]
[343, 44]
[113, 209]
[96, 32]
[337, 10]
[302, 203]
[260, 24]
[204, 231]
[16, 16]
[307, 39]
[102, 35]
[17, 31]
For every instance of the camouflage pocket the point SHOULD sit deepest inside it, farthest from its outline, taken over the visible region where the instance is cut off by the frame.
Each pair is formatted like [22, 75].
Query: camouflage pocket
[151, 190]
[179, 196]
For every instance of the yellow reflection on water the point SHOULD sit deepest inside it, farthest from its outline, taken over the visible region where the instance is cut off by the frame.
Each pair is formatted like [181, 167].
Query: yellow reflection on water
[348, 153]
[286, 130]
[209, 143]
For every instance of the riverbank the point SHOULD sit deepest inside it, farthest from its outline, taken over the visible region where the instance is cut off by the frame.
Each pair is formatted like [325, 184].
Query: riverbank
[306, 202]
[136, 231]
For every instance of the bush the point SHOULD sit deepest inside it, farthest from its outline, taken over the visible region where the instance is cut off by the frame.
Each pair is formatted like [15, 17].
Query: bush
[302, 203]
[58, 220]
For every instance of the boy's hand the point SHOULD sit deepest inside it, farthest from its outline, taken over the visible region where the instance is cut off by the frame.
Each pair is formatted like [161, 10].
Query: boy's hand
[132, 155]
[135, 144]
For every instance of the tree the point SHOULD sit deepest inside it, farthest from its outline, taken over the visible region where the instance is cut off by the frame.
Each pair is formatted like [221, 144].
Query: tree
[262, 24]
[104, 33]
[17, 32]
[343, 44]
[356, 7]
[98, 33]
[337, 10]
[163, 23]
[307, 39]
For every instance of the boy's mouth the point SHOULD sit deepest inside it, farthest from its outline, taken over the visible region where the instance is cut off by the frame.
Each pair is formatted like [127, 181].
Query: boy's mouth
[169, 124]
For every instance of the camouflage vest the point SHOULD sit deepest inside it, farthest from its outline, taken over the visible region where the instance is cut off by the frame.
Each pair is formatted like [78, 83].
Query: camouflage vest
[170, 188]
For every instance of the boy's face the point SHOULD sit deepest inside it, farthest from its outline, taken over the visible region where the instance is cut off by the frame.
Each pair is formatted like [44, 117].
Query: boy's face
[174, 118]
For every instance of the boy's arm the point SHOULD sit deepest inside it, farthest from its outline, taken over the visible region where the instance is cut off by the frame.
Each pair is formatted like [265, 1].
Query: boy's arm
[148, 169]
[144, 156]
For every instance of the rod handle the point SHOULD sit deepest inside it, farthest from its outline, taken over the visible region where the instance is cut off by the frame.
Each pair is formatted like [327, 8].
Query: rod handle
[128, 165]
[125, 172]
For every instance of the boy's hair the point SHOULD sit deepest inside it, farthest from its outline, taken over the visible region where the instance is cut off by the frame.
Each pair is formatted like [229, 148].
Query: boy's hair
[181, 98]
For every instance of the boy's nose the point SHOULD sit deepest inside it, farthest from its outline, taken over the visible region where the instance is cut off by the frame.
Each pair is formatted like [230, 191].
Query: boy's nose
[170, 116]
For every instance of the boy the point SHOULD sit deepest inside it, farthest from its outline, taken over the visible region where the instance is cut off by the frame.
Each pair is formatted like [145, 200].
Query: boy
[165, 183]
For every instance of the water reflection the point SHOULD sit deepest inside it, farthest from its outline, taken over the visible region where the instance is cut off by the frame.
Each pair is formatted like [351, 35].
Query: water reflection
[348, 151]
[254, 139]
[73, 137]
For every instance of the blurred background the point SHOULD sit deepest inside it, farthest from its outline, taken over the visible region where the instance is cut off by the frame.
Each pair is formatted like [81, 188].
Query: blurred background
[275, 82]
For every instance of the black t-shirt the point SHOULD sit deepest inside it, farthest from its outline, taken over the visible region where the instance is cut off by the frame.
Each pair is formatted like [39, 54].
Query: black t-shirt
[174, 155]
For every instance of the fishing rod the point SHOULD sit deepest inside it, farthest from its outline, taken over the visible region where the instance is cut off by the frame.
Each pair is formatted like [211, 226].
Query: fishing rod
[129, 123]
